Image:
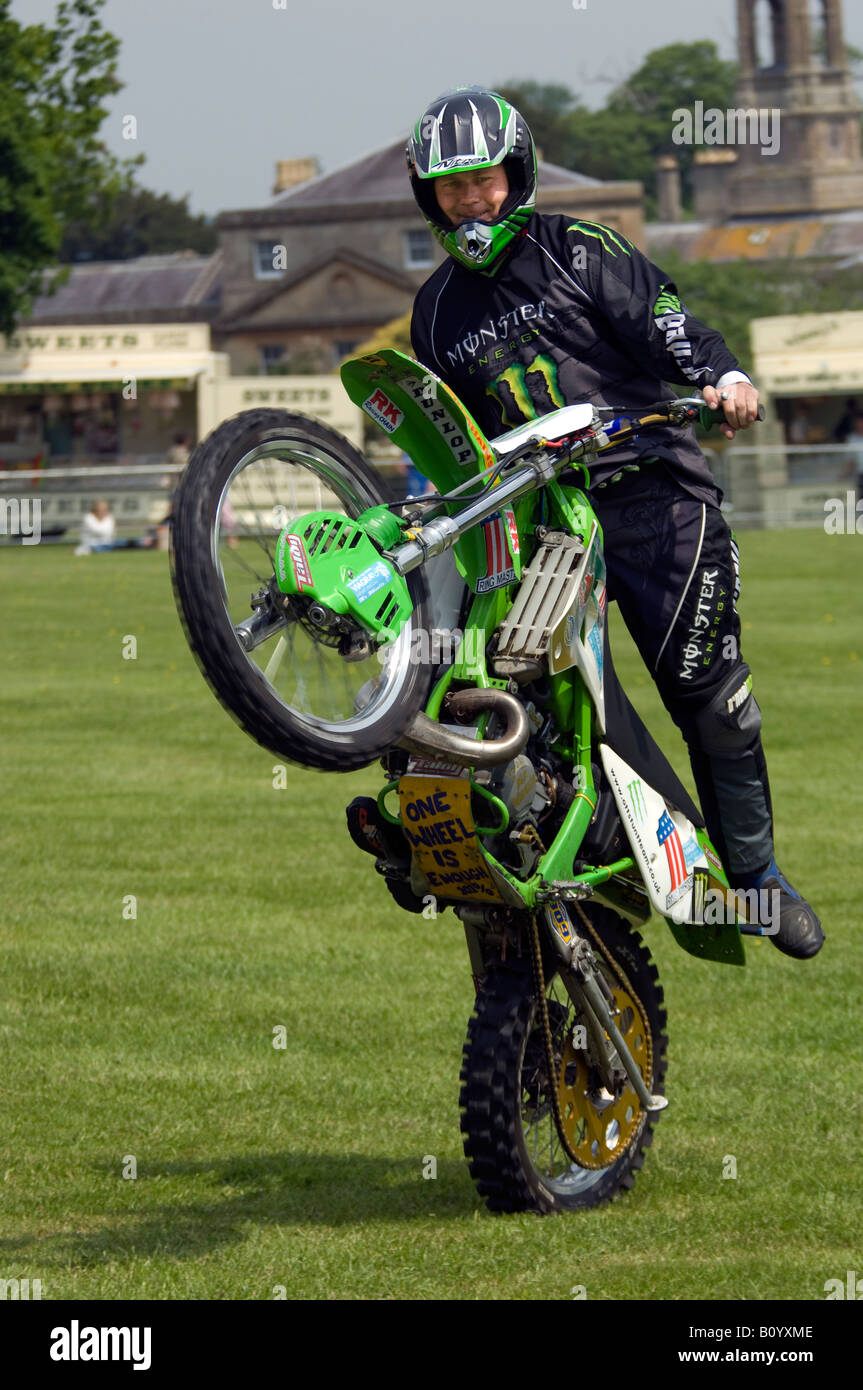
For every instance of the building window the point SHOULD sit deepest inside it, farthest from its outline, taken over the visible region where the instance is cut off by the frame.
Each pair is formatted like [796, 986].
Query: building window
[268, 260]
[418, 249]
[271, 355]
[343, 347]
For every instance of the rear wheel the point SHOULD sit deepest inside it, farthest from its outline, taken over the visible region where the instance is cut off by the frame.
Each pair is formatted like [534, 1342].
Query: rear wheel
[299, 688]
[510, 1136]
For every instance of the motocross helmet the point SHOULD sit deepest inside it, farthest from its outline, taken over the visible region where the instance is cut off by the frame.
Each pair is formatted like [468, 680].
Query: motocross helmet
[471, 128]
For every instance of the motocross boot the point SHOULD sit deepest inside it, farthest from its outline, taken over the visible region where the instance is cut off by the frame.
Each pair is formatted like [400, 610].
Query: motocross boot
[799, 933]
[369, 831]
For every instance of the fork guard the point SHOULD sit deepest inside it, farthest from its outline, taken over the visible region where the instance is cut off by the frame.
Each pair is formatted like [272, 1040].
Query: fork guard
[424, 735]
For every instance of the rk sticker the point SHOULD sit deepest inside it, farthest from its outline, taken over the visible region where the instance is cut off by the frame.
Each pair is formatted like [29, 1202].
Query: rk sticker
[383, 411]
[437, 821]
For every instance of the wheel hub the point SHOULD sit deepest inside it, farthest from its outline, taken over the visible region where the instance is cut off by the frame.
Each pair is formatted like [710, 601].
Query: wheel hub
[598, 1124]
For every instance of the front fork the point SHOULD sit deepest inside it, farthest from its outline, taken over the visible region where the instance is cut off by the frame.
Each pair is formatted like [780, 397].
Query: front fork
[588, 990]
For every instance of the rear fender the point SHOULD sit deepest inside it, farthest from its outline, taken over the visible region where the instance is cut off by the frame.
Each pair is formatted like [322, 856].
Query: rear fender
[672, 859]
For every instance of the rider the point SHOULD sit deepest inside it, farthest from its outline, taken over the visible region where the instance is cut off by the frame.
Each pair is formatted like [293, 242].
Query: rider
[531, 312]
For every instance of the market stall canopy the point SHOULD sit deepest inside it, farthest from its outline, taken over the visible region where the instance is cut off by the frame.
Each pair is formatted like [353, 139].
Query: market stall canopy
[99, 372]
[816, 353]
[106, 357]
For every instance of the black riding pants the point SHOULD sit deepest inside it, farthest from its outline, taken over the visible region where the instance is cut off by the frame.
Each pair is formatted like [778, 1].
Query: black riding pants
[672, 567]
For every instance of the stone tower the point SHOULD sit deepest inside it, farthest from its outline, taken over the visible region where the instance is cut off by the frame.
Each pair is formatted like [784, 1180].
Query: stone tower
[818, 166]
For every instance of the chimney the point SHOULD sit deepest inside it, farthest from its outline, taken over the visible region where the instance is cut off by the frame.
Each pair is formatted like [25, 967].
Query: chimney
[668, 188]
[292, 172]
[710, 170]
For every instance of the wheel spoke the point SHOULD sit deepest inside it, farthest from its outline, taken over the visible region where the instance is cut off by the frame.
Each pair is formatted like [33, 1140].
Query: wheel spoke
[272, 667]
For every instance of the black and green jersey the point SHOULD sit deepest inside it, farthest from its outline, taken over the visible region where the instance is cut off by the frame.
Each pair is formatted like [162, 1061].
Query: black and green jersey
[576, 313]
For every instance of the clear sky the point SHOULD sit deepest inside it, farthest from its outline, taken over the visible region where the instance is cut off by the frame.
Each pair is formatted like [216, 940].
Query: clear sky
[221, 89]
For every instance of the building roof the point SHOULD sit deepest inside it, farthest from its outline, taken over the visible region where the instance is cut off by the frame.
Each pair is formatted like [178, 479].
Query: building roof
[381, 176]
[837, 236]
[242, 316]
[181, 284]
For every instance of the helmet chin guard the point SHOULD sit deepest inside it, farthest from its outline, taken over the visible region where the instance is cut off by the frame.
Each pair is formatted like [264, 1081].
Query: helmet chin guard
[475, 241]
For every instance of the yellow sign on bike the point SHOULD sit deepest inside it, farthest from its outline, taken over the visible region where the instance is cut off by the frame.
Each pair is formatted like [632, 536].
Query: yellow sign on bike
[437, 820]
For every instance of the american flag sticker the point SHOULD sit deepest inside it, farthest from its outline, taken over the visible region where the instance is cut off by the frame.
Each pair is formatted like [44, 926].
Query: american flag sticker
[666, 834]
[499, 570]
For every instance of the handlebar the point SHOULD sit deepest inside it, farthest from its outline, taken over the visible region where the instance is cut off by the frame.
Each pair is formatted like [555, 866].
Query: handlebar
[684, 410]
[538, 460]
[707, 418]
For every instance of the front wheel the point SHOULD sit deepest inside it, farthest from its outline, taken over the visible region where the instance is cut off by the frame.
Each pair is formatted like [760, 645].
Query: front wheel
[287, 680]
[510, 1136]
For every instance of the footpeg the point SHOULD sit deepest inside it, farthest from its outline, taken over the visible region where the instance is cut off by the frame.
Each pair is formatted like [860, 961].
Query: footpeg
[595, 999]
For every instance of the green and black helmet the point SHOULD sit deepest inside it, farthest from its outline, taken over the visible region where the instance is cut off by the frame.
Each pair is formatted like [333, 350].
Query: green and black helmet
[471, 128]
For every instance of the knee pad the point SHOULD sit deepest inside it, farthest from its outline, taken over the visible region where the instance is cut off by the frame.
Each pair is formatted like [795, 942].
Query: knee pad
[730, 722]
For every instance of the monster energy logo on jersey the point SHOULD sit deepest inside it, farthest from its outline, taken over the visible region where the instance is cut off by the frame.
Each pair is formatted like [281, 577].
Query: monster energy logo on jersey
[667, 303]
[669, 317]
[497, 331]
[526, 390]
[605, 235]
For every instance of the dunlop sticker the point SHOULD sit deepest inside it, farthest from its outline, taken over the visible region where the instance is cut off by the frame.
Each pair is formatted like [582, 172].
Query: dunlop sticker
[437, 820]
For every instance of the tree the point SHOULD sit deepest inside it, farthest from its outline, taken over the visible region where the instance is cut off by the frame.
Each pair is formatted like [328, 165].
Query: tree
[395, 334]
[727, 295]
[308, 356]
[53, 85]
[548, 109]
[136, 222]
[623, 140]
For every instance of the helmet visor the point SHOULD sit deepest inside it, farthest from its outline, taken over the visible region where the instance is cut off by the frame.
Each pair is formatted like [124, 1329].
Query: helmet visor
[454, 134]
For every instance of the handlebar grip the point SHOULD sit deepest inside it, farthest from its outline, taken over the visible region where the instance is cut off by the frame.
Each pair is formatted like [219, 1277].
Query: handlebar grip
[708, 418]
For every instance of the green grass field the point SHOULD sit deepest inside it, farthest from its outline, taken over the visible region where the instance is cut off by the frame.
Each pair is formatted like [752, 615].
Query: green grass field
[301, 1167]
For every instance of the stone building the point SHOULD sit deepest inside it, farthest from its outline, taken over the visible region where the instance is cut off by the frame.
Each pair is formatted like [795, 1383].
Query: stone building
[332, 259]
[818, 166]
[790, 149]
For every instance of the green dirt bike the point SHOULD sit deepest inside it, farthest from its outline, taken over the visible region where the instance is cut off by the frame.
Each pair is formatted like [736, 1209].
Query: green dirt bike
[521, 788]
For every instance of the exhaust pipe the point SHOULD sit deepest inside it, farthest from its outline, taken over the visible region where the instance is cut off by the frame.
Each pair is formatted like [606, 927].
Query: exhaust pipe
[424, 735]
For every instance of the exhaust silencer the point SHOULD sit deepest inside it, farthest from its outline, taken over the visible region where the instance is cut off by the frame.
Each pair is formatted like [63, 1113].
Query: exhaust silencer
[424, 735]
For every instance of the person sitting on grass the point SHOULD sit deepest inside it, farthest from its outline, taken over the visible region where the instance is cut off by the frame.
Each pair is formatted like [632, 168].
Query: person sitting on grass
[97, 532]
[97, 529]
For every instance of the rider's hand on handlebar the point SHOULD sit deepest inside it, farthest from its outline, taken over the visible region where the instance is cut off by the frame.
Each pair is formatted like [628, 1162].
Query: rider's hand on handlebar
[740, 409]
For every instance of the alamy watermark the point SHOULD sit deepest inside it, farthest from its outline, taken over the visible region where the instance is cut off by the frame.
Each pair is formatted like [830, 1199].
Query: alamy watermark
[21, 517]
[77, 1343]
[735, 126]
[843, 516]
[850, 1287]
[759, 906]
[438, 645]
[20, 1289]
